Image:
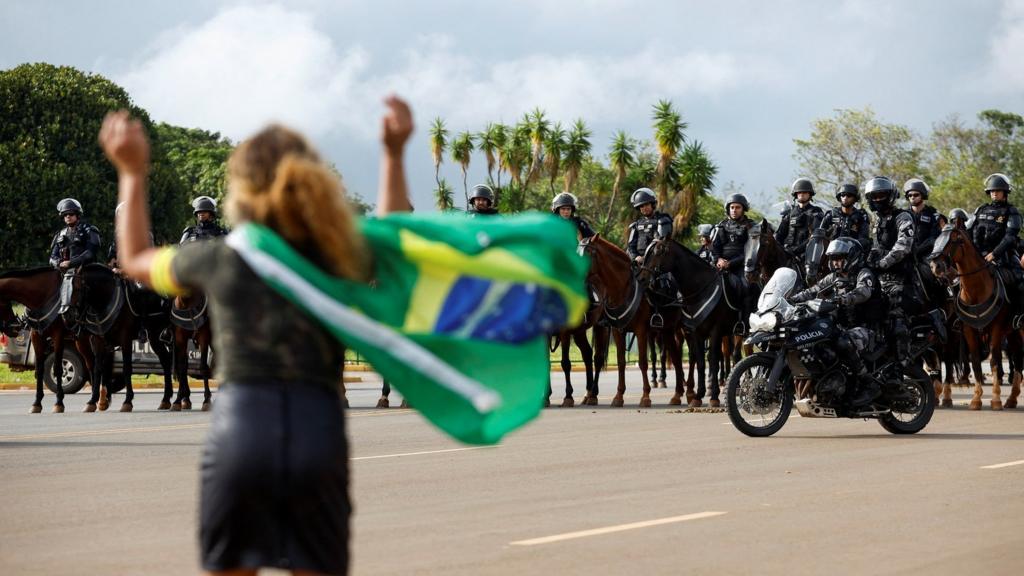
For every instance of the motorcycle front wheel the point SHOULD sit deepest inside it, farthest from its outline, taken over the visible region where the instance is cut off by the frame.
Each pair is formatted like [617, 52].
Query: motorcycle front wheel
[911, 412]
[752, 409]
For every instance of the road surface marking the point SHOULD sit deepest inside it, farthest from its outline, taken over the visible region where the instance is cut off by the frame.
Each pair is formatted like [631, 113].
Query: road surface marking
[76, 433]
[1003, 465]
[619, 528]
[421, 453]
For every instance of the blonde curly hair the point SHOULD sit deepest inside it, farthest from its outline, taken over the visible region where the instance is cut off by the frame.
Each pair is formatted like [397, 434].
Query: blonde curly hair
[277, 179]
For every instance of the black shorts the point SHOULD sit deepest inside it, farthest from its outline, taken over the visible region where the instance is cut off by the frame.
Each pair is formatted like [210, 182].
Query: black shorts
[275, 480]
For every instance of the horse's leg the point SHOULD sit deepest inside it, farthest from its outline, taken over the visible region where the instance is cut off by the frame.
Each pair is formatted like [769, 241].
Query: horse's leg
[385, 391]
[39, 345]
[587, 352]
[641, 341]
[205, 345]
[602, 336]
[99, 373]
[58, 370]
[664, 358]
[996, 365]
[566, 364]
[691, 349]
[698, 397]
[1015, 351]
[620, 357]
[166, 363]
[675, 349]
[127, 369]
[716, 364]
[181, 339]
[974, 345]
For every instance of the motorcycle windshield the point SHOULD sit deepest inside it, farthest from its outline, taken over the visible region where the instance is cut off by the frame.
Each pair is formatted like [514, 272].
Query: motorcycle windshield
[773, 295]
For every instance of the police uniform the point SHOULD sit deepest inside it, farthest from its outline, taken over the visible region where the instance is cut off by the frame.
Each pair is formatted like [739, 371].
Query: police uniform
[729, 241]
[202, 231]
[856, 225]
[78, 244]
[995, 229]
[927, 227]
[796, 226]
[646, 230]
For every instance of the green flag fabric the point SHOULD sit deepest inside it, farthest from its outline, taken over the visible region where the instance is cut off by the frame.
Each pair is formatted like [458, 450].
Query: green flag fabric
[458, 315]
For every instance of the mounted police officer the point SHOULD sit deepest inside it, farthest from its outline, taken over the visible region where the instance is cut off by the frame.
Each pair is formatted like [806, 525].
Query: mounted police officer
[704, 233]
[481, 202]
[652, 225]
[928, 221]
[204, 209]
[891, 256]
[994, 231]
[854, 288]
[727, 246]
[74, 246]
[564, 206]
[799, 219]
[846, 219]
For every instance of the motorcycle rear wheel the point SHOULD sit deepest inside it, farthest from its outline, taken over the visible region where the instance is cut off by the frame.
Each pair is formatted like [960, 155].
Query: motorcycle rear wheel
[751, 408]
[912, 417]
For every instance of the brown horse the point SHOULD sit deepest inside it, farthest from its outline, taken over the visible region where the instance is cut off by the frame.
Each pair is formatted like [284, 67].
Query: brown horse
[627, 310]
[38, 290]
[982, 305]
[191, 324]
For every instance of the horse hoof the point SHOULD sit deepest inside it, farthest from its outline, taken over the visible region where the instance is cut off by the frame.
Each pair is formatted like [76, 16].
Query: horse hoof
[405, 404]
[164, 405]
[946, 403]
[996, 404]
[103, 406]
[1010, 404]
[695, 403]
[645, 402]
[126, 407]
[383, 403]
[89, 408]
[186, 404]
[675, 401]
[974, 405]
[58, 408]
[661, 384]
[616, 402]
[568, 403]
[206, 406]
[715, 403]
[104, 399]
[176, 407]
[36, 409]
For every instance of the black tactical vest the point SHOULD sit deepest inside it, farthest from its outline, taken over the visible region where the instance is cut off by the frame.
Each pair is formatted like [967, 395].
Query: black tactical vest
[990, 225]
[849, 225]
[734, 236]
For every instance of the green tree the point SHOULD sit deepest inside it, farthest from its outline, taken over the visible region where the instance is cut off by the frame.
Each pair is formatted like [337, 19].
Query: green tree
[200, 158]
[622, 157]
[697, 174]
[438, 143]
[577, 149]
[539, 127]
[462, 152]
[488, 143]
[669, 135]
[50, 118]
[853, 146]
[444, 198]
[554, 142]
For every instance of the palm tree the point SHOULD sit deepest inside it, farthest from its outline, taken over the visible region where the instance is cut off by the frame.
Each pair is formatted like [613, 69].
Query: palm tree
[462, 150]
[487, 142]
[622, 157]
[696, 173]
[438, 142]
[539, 127]
[516, 152]
[669, 134]
[443, 196]
[554, 143]
[577, 148]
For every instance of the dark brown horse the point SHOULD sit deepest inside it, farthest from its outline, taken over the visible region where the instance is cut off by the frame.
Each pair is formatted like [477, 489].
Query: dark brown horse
[627, 310]
[191, 324]
[982, 305]
[38, 290]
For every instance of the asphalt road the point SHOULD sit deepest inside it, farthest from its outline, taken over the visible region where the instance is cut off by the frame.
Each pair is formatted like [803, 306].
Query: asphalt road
[579, 491]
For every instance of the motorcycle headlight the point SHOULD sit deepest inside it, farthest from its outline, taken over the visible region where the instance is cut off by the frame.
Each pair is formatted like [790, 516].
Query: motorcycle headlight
[763, 322]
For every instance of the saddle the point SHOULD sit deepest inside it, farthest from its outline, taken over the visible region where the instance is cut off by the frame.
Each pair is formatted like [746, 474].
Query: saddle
[192, 318]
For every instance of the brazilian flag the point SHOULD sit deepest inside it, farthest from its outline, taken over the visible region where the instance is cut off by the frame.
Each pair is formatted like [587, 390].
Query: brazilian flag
[459, 312]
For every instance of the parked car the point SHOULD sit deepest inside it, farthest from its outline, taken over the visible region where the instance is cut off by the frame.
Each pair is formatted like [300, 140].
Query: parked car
[19, 355]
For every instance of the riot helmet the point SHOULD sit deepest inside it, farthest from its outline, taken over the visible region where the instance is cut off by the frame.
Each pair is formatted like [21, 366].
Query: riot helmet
[704, 230]
[204, 204]
[916, 185]
[643, 196]
[958, 214]
[69, 206]
[736, 199]
[998, 181]
[801, 185]
[563, 199]
[848, 190]
[845, 255]
[880, 193]
[482, 191]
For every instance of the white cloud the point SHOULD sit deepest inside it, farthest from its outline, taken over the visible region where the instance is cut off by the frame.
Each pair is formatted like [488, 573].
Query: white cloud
[1005, 73]
[249, 65]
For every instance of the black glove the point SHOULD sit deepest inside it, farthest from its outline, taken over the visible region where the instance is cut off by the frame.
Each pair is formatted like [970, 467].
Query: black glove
[873, 258]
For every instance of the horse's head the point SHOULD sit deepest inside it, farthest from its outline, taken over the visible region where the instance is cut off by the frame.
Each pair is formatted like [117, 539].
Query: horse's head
[10, 324]
[758, 239]
[952, 247]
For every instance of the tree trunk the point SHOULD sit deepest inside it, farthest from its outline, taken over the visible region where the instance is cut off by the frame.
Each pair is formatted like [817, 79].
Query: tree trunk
[611, 204]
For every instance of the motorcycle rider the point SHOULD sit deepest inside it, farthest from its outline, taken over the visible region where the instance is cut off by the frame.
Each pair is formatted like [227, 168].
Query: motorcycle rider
[704, 233]
[74, 246]
[855, 290]
[564, 206]
[891, 255]
[650, 226]
[847, 219]
[994, 230]
[481, 201]
[799, 220]
[204, 209]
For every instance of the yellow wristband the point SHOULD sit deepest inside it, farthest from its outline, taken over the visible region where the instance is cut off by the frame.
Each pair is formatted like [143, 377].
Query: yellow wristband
[161, 277]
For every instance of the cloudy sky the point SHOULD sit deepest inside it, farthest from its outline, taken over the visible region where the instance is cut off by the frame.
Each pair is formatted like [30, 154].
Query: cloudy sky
[748, 76]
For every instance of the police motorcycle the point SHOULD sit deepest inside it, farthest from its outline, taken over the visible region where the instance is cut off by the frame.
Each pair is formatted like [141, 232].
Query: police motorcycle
[798, 365]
